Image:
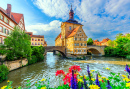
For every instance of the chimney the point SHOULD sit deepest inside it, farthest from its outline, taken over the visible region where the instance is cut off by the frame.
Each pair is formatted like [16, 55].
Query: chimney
[9, 10]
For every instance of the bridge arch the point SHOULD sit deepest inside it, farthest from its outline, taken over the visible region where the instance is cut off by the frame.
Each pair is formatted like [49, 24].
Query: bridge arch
[60, 49]
[96, 49]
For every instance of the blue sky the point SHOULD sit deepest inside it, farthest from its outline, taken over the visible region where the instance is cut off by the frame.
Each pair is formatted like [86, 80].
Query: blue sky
[101, 18]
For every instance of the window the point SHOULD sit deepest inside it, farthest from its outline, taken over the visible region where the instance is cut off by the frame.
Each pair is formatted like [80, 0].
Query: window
[84, 50]
[78, 34]
[35, 39]
[7, 21]
[35, 43]
[75, 38]
[80, 39]
[41, 39]
[8, 32]
[1, 29]
[38, 43]
[70, 27]
[81, 44]
[38, 39]
[77, 44]
[82, 35]
[84, 39]
[84, 44]
[32, 39]
[79, 50]
[32, 43]
[41, 43]
[80, 31]
[0, 40]
[75, 50]
[4, 30]
[2, 17]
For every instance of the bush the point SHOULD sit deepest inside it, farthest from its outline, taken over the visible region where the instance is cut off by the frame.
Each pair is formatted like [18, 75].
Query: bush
[128, 56]
[32, 60]
[3, 72]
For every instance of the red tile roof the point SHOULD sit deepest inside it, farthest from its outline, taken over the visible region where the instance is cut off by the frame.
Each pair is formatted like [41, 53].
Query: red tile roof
[14, 16]
[73, 32]
[105, 40]
[38, 36]
[17, 16]
[58, 36]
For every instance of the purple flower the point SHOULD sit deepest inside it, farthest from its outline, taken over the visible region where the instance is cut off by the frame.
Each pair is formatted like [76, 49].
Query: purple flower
[127, 69]
[89, 74]
[108, 85]
[81, 86]
[97, 81]
[73, 81]
[85, 83]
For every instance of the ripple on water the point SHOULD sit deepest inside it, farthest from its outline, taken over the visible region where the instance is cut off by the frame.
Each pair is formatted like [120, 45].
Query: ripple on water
[51, 64]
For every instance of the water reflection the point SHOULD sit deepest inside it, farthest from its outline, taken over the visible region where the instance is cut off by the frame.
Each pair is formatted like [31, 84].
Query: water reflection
[48, 67]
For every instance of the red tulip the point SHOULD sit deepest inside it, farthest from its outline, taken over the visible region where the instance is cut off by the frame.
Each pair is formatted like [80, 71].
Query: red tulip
[60, 72]
[75, 68]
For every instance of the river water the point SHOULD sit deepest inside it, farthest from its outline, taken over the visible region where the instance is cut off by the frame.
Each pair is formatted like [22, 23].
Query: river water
[52, 63]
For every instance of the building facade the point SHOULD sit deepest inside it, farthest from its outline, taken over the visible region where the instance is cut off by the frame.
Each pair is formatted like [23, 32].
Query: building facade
[8, 20]
[37, 40]
[104, 42]
[72, 36]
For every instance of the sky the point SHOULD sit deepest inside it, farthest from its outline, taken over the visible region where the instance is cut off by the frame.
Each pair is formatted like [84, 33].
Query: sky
[101, 18]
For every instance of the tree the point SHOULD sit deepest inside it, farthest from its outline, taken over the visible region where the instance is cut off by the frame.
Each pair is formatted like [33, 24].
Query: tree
[17, 44]
[90, 41]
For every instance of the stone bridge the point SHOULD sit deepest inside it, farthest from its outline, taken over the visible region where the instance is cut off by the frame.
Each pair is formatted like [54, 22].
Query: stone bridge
[96, 49]
[60, 49]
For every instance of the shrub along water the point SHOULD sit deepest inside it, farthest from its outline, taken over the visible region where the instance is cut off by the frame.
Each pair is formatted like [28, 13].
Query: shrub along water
[3, 72]
[119, 47]
[37, 54]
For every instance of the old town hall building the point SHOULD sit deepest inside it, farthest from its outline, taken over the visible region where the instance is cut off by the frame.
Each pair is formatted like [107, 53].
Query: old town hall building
[72, 36]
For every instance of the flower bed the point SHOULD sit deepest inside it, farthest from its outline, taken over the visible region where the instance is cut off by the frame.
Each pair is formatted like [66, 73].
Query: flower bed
[73, 80]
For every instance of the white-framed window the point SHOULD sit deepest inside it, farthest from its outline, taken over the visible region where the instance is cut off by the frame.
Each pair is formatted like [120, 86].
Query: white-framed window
[35, 39]
[8, 32]
[84, 39]
[75, 50]
[1, 29]
[77, 44]
[84, 50]
[35, 43]
[84, 44]
[41, 43]
[7, 21]
[4, 30]
[80, 39]
[32, 43]
[38, 43]
[2, 17]
[70, 27]
[0, 40]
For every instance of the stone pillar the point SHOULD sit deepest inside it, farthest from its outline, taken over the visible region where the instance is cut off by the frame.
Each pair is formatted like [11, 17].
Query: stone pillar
[54, 52]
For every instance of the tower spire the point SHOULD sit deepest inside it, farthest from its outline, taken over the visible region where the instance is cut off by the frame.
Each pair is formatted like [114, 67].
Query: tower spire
[71, 13]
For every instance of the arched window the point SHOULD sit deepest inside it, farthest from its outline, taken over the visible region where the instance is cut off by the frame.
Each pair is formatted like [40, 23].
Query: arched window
[70, 27]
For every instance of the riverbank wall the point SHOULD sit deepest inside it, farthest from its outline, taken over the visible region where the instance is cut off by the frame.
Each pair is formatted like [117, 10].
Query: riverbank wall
[12, 65]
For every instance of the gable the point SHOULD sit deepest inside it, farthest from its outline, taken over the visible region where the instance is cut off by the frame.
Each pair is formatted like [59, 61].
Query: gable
[80, 33]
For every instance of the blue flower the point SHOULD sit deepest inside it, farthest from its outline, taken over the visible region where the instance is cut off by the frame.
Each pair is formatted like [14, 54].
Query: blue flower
[97, 81]
[108, 85]
[127, 69]
[85, 83]
[74, 84]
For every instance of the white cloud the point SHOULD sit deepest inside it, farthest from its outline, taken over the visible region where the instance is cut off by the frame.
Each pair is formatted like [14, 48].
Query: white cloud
[53, 8]
[40, 28]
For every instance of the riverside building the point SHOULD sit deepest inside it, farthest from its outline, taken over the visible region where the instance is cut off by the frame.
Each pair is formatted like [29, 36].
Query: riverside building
[72, 36]
[8, 20]
[37, 40]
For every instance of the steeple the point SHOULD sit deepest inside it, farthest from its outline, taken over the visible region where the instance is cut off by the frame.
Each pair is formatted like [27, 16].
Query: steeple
[71, 13]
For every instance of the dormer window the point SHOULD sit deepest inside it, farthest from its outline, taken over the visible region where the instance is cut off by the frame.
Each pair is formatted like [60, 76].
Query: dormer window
[70, 27]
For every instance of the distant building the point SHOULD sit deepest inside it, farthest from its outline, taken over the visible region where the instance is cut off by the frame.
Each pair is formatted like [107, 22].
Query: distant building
[8, 20]
[37, 40]
[104, 42]
[72, 36]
